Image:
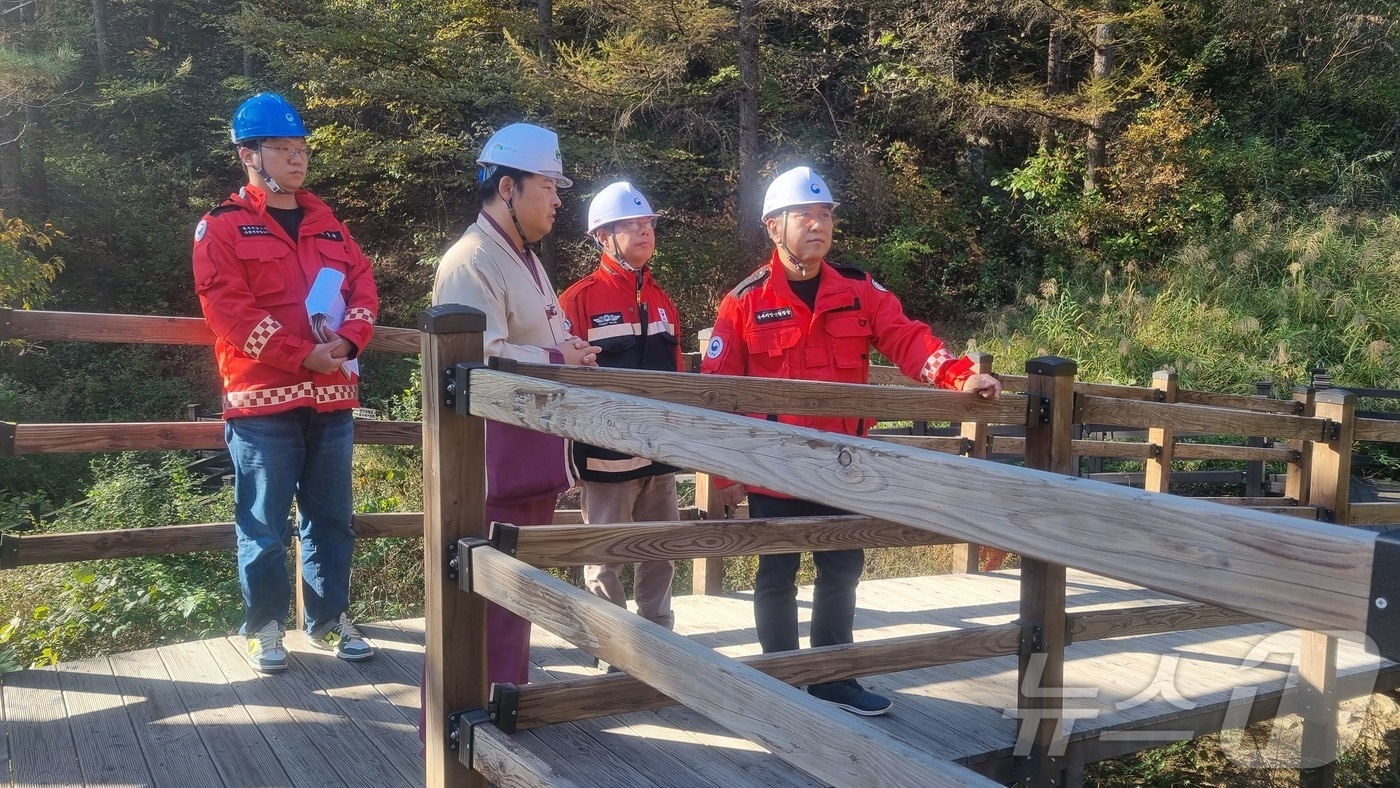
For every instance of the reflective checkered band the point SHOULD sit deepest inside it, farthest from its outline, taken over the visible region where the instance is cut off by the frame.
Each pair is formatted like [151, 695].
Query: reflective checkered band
[336, 393]
[359, 313]
[262, 334]
[935, 362]
[284, 395]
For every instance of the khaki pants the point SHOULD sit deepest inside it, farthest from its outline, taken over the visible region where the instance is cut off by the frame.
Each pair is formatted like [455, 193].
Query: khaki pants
[641, 500]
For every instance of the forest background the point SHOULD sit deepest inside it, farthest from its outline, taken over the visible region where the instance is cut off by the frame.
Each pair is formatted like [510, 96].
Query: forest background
[1209, 185]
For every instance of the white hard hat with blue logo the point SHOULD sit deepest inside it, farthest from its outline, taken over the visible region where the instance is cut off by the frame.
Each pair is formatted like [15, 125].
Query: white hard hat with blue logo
[525, 147]
[797, 186]
[616, 202]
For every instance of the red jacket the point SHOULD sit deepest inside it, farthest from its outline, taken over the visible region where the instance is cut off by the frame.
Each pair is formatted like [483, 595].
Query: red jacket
[764, 330]
[253, 280]
[605, 308]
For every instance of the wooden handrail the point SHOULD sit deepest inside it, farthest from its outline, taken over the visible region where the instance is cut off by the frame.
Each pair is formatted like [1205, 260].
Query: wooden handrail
[795, 397]
[589, 697]
[152, 330]
[1273, 568]
[171, 436]
[1198, 418]
[577, 545]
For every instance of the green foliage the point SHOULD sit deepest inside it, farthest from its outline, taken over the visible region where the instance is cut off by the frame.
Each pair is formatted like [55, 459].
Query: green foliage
[1271, 297]
[25, 277]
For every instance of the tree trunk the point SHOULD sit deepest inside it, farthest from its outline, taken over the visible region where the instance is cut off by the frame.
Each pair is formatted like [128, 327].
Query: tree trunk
[1054, 76]
[546, 32]
[750, 239]
[1105, 36]
[36, 180]
[100, 33]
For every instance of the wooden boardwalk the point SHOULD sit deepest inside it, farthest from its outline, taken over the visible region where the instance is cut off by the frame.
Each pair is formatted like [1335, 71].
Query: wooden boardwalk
[195, 715]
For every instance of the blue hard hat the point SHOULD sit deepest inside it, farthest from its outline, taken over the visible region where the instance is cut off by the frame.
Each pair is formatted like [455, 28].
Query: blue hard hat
[266, 115]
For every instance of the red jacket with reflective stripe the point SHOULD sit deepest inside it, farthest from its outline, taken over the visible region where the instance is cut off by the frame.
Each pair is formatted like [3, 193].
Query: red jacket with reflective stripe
[764, 330]
[253, 279]
[605, 309]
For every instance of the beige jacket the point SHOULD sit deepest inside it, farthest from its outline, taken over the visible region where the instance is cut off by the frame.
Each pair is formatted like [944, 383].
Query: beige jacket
[525, 322]
[523, 318]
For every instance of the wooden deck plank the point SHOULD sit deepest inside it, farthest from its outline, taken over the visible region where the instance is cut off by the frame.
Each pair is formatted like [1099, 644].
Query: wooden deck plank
[312, 730]
[107, 748]
[237, 747]
[42, 750]
[175, 755]
[191, 709]
[374, 695]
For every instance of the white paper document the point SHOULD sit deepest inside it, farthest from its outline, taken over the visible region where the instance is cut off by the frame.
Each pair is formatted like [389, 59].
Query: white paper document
[325, 308]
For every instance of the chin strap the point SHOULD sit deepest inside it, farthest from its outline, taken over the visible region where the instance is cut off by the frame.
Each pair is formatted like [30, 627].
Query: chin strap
[272, 184]
[782, 247]
[529, 247]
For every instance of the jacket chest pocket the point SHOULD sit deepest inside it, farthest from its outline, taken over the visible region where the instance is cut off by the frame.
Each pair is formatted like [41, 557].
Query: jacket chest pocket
[770, 349]
[264, 261]
[334, 254]
[850, 340]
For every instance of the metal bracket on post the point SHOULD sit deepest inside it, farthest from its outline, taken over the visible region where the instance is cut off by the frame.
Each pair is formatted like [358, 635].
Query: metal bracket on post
[1331, 430]
[1032, 639]
[966, 446]
[7, 438]
[1383, 613]
[1326, 515]
[1037, 410]
[505, 537]
[1154, 451]
[469, 718]
[1028, 768]
[456, 563]
[9, 551]
[457, 386]
[505, 706]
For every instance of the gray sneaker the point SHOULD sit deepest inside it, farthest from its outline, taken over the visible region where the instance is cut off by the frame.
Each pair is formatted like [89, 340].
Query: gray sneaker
[852, 697]
[345, 640]
[264, 649]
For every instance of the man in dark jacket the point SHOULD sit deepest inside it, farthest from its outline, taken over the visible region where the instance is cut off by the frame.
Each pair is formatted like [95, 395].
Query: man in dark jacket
[621, 309]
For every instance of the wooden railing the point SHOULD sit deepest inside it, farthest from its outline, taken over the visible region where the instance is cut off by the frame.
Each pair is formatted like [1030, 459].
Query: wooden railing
[1230, 559]
[1310, 575]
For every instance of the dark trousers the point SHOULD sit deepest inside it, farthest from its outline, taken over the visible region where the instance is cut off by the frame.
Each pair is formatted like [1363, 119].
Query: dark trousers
[775, 587]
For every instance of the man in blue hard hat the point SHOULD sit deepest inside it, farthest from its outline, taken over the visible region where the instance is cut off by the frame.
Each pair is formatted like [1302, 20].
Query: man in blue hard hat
[264, 261]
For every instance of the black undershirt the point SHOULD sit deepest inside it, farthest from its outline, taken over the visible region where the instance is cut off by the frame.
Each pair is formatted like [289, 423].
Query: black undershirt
[289, 218]
[806, 289]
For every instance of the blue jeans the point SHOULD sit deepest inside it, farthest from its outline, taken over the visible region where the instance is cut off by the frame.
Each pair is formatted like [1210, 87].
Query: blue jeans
[304, 455]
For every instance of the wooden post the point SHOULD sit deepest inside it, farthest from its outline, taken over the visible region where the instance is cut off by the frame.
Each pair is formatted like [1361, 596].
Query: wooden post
[1330, 475]
[967, 557]
[707, 574]
[1331, 455]
[454, 507]
[1040, 688]
[1317, 697]
[1298, 481]
[1159, 467]
[1254, 469]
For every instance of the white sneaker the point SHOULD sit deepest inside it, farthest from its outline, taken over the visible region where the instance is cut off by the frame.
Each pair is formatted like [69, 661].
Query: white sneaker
[264, 651]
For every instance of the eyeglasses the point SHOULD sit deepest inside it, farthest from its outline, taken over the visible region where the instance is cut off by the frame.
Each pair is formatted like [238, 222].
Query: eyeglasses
[290, 154]
[635, 225]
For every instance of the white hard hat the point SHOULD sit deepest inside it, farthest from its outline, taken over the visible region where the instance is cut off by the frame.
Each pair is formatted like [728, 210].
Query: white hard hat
[797, 186]
[616, 202]
[528, 148]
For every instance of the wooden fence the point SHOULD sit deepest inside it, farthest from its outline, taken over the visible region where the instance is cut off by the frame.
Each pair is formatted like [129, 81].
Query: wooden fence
[1310, 575]
[1244, 558]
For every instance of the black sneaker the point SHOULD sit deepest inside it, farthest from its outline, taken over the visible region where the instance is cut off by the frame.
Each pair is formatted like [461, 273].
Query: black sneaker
[852, 697]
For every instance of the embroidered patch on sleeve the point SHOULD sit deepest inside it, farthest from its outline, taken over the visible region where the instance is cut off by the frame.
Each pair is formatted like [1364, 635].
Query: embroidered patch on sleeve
[716, 347]
[200, 229]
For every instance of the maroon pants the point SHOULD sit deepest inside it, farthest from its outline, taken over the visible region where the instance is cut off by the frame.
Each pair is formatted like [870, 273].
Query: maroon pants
[507, 635]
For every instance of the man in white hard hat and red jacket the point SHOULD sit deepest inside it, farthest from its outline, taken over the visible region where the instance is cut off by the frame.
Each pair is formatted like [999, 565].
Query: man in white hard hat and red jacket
[288, 393]
[493, 268]
[620, 308]
[802, 318]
